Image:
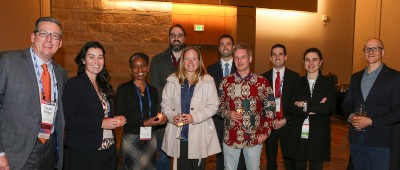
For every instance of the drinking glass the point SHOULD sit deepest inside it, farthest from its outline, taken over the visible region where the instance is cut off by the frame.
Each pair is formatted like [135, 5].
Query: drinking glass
[180, 124]
[360, 111]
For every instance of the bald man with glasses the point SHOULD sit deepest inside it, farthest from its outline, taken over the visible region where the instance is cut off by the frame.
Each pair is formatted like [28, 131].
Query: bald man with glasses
[375, 89]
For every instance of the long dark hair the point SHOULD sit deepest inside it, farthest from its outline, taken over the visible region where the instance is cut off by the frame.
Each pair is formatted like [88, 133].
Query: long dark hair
[103, 78]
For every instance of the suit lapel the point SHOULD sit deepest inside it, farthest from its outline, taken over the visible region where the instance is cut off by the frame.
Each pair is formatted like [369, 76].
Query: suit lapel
[92, 92]
[30, 72]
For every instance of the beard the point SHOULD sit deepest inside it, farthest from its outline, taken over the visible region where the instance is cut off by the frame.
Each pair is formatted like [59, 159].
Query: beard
[226, 55]
[176, 47]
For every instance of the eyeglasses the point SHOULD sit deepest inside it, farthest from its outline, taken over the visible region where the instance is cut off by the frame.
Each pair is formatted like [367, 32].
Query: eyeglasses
[44, 34]
[374, 49]
[176, 35]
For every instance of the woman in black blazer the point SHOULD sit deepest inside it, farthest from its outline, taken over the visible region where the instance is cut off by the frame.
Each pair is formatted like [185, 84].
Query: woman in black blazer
[89, 124]
[311, 103]
[138, 102]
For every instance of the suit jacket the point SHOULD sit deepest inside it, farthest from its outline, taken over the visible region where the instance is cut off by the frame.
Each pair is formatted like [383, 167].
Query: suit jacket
[317, 146]
[20, 110]
[215, 71]
[84, 114]
[289, 79]
[161, 67]
[382, 105]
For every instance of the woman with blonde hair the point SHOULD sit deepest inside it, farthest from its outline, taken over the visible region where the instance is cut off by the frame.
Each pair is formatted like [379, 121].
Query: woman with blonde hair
[189, 100]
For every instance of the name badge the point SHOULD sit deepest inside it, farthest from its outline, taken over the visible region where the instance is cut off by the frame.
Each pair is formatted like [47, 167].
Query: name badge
[145, 133]
[278, 104]
[305, 129]
[48, 112]
[107, 134]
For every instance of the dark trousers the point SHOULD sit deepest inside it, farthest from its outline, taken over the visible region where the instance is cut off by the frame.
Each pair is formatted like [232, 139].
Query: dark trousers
[184, 163]
[271, 145]
[83, 159]
[43, 156]
[313, 165]
[369, 158]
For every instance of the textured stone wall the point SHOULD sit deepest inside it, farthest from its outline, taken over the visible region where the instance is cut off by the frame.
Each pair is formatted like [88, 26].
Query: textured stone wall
[122, 28]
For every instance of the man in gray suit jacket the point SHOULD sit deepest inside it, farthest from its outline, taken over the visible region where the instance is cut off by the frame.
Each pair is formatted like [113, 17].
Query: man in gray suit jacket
[22, 117]
[163, 65]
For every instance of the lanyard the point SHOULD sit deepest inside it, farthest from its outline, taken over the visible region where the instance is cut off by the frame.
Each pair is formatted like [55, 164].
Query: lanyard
[140, 100]
[38, 74]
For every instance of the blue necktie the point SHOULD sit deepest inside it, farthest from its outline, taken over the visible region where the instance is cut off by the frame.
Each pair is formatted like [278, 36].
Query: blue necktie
[226, 70]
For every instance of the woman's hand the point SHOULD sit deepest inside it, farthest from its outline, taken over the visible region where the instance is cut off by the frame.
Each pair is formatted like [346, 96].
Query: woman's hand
[109, 123]
[154, 121]
[187, 118]
[121, 121]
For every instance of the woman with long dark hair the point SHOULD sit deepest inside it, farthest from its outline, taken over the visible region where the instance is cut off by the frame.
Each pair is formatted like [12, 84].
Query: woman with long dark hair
[311, 103]
[89, 122]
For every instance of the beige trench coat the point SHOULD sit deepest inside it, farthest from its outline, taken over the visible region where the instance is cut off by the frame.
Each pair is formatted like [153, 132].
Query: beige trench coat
[203, 140]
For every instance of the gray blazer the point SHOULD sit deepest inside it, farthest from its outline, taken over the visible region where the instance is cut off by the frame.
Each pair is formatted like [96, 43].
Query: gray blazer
[20, 107]
[160, 68]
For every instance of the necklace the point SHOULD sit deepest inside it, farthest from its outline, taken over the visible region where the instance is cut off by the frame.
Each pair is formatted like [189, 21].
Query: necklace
[140, 88]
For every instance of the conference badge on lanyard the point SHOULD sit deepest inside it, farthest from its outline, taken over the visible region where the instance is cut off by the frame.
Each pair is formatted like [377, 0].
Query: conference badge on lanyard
[145, 133]
[48, 110]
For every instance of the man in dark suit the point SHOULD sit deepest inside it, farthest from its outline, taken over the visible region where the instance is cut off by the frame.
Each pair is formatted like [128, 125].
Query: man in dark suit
[163, 65]
[282, 80]
[218, 71]
[31, 116]
[377, 87]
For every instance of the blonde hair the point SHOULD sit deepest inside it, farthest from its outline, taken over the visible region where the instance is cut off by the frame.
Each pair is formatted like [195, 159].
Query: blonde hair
[198, 73]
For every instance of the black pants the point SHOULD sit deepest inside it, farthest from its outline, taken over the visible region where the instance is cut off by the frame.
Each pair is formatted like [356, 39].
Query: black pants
[189, 164]
[83, 159]
[271, 145]
[313, 165]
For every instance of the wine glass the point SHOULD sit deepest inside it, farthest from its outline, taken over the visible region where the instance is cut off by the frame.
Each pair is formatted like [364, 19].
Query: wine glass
[180, 124]
[360, 111]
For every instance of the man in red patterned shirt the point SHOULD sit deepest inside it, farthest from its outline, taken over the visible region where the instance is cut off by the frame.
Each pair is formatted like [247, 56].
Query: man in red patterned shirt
[248, 106]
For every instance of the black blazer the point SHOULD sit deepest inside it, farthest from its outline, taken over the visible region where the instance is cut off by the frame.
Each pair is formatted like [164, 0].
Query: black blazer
[317, 146]
[127, 103]
[215, 70]
[83, 114]
[288, 82]
[382, 105]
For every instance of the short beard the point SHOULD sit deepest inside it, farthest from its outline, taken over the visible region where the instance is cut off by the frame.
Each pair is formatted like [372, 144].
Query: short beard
[177, 48]
[225, 55]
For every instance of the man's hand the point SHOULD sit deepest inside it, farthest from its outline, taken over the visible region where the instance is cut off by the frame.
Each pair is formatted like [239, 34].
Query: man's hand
[236, 116]
[360, 122]
[4, 163]
[262, 138]
[280, 123]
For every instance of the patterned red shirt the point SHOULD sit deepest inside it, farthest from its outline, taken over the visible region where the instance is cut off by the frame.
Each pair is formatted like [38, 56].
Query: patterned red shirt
[255, 97]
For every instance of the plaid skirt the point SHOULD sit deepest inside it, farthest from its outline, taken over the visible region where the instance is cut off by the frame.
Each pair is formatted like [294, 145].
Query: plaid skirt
[139, 154]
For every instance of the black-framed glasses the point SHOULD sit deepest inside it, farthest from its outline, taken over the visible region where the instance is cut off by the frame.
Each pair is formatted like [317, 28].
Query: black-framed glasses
[374, 49]
[44, 34]
[176, 35]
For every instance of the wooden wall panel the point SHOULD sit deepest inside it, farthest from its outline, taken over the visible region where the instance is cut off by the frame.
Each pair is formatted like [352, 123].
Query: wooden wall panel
[298, 5]
[211, 2]
[217, 20]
